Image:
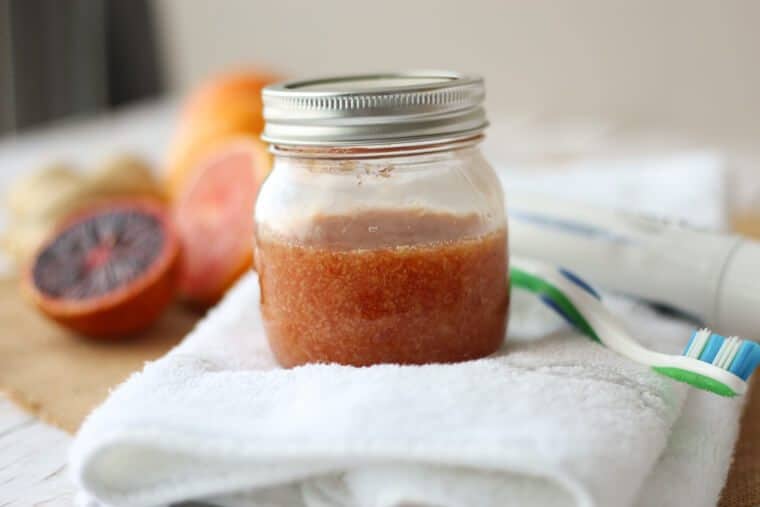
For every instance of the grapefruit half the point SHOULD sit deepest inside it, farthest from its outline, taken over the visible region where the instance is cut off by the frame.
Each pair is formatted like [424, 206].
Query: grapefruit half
[214, 218]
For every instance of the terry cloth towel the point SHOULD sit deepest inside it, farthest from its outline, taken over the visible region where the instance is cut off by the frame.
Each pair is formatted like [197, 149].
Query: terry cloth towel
[551, 419]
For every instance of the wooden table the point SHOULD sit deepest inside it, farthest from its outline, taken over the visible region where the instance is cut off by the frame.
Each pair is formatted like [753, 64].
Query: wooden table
[32, 461]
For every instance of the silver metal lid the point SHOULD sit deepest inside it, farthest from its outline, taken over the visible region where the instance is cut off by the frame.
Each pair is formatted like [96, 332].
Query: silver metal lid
[389, 109]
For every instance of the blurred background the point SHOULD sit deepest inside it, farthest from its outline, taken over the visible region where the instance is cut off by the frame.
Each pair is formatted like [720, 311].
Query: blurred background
[677, 64]
[84, 81]
[98, 101]
[74, 57]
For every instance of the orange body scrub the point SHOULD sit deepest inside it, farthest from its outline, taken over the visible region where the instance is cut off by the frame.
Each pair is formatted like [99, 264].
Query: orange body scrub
[435, 301]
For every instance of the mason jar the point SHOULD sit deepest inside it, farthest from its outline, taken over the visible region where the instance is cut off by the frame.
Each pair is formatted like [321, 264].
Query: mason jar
[380, 233]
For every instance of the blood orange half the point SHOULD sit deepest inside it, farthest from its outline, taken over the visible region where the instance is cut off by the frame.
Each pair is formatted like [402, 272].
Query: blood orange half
[108, 272]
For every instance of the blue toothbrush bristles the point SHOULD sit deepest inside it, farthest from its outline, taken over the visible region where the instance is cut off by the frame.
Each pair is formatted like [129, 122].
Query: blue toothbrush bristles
[740, 357]
[688, 345]
[746, 360]
[712, 348]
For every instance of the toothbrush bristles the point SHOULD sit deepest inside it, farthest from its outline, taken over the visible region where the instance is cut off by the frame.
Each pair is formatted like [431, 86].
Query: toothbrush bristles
[697, 343]
[727, 352]
[731, 354]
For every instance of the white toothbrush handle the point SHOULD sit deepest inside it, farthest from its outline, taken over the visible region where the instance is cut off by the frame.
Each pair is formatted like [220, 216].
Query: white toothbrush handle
[613, 334]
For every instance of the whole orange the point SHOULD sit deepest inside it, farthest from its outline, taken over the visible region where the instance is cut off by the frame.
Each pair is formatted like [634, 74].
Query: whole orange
[226, 106]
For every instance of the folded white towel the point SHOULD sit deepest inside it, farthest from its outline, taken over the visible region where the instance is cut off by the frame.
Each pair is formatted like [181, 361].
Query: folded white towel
[555, 420]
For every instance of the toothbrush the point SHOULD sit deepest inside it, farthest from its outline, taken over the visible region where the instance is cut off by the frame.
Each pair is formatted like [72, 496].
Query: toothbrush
[709, 361]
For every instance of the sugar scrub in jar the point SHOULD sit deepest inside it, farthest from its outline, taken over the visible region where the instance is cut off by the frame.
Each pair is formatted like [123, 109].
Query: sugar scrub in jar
[380, 233]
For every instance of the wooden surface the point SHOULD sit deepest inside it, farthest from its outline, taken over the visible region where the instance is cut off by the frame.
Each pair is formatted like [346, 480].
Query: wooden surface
[32, 461]
[64, 376]
[742, 488]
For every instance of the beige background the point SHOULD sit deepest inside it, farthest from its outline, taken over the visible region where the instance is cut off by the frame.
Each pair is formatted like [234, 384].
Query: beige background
[671, 63]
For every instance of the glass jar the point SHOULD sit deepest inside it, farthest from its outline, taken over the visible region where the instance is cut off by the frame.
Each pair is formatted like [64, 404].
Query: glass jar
[380, 232]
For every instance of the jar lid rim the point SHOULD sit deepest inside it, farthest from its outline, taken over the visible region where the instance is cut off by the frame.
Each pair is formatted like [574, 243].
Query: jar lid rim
[416, 80]
[374, 108]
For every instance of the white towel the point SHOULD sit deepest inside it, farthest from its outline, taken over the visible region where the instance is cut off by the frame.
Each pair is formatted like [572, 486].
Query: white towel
[551, 420]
